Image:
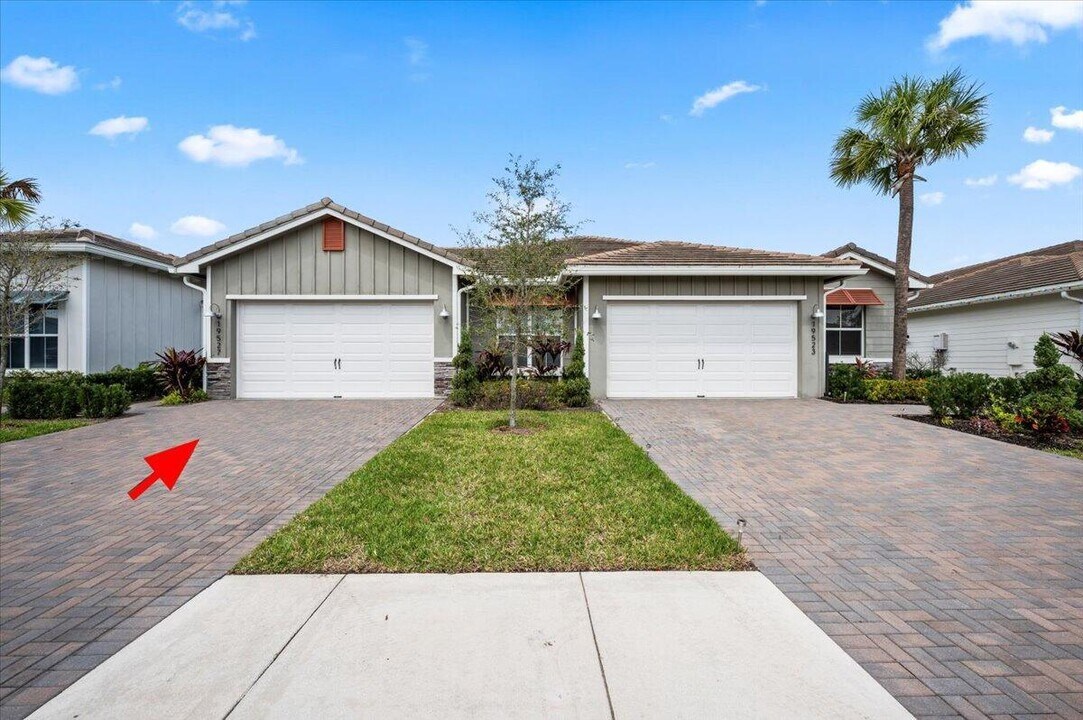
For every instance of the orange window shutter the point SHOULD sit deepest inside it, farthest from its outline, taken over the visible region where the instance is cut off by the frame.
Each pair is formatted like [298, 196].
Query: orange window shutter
[334, 235]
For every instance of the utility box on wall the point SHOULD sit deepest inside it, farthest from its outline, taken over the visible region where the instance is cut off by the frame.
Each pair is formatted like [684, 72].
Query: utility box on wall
[940, 342]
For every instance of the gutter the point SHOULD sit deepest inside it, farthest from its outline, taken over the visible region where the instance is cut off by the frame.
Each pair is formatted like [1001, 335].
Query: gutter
[205, 325]
[1064, 294]
[1013, 295]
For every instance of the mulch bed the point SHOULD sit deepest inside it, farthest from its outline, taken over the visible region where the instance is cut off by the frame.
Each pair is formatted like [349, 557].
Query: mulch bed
[1024, 439]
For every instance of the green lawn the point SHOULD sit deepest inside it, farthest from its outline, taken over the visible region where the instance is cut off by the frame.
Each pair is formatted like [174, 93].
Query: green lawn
[22, 429]
[452, 495]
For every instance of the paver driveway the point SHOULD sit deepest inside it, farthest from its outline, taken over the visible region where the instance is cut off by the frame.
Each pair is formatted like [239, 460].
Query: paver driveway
[949, 566]
[84, 570]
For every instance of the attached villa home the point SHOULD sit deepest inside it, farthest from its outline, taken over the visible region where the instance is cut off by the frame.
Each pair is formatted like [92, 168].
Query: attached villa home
[326, 302]
[119, 305]
[987, 317]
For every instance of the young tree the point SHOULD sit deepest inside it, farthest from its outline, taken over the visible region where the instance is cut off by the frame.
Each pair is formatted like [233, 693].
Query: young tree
[29, 271]
[17, 200]
[914, 122]
[517, 251]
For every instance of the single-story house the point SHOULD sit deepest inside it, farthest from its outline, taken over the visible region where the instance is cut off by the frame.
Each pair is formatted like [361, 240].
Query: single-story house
[326, 302]
[987, 317]
[120, 305]
[861, 309]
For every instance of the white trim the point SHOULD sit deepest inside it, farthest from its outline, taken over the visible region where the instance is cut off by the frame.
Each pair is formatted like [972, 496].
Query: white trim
[703, 298]
[586, 328]
[92, 249]
[741, 270]
[445, 360]
[1013, 295]
[218, 360]
[339, 298]
[194, 265]
[912, 281]
[86, 315]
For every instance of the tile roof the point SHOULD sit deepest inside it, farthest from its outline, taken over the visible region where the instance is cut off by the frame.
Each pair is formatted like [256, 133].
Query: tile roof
[853, 296]
[306, 210]
[94, 237]
[577, 246]
[854, 248]
[669, 252]
[1054, 265]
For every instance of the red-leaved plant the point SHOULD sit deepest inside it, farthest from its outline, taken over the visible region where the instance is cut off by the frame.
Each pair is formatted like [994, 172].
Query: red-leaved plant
[181, 371]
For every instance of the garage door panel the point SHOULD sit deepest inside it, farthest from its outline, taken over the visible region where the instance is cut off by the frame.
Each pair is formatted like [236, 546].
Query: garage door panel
[749, 349]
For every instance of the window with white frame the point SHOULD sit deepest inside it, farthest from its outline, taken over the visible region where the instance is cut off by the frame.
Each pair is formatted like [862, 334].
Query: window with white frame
[37, 347]
[846, 330]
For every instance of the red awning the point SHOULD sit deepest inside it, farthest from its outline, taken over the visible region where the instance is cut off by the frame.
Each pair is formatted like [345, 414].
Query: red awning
[853, 296]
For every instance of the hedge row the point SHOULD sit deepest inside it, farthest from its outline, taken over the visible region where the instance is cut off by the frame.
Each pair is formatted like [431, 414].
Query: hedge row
[63, 395]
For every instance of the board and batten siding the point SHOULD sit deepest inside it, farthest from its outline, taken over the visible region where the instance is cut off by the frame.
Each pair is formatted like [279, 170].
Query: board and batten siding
[979, 335]
[810, 362]
[134, 312]
[879, 319]
[295, 263]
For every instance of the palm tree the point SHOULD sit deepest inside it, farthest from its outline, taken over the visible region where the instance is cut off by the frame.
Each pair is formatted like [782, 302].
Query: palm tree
[913, 122]
[17, 199]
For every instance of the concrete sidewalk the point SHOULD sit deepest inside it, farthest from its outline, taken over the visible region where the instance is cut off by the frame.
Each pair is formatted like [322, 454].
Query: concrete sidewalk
[586, 645]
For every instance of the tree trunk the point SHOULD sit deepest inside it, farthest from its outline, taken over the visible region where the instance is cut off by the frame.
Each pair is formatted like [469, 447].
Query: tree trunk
[902, 276]
[514, 374]
[3, 365]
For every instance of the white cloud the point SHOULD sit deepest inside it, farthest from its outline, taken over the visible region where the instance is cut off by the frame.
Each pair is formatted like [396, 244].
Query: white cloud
[41, 74]
[417, 51]
[113, 84]
[1017, 21]
[122, 125]
[139, 231]
[215, 20]
[638, 165]
[1037, 135]
[197, 225]
[1067, 119]
[986, 181]
[720, 94]
[1043, 174]
[666, 118]
[237, 147]
[932, 198]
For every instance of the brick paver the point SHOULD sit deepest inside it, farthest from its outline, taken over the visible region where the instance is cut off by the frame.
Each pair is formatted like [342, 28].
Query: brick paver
[949, 566]
[84, 570]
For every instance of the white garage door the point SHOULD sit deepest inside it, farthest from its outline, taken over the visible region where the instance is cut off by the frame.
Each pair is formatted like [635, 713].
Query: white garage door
[688, 349]
[334, 349]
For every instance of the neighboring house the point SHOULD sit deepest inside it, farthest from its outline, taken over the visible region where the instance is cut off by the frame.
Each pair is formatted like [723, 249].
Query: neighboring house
[122, 304]
[326, 302]
[861, 310]
[988, 316]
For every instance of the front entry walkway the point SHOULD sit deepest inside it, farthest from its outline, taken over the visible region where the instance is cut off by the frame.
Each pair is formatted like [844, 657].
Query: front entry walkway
[84, 570]
[950, 566]
[520, 645]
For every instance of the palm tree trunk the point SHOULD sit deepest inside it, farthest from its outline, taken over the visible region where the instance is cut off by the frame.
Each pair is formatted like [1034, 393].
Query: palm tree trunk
[902, 276]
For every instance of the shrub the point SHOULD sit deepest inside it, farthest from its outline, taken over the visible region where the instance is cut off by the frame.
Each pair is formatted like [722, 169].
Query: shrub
[546, 353]
[1006, 391]
[105, 401]
[181, 371]
[141, 382]
[961, 395]
[173, 398]
[1046, 413]
[1045, 352]
[574, 388]
[920, 368]
[887, 390]
[464, 383]
[529, 394]
[42, 396]
[846, 382]
[492, 362]
[1004, 417]
[1052, 378]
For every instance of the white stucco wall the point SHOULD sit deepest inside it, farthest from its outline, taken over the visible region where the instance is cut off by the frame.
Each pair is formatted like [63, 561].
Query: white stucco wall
[979, 335]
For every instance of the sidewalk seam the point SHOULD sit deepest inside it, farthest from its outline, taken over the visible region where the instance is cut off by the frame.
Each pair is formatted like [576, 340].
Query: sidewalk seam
[283, 648]
[597, 650]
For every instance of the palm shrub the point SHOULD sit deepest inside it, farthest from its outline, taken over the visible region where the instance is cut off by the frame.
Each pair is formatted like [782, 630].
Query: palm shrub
[1070, 345]
[181, 371]
[464, 384]
[574, 385]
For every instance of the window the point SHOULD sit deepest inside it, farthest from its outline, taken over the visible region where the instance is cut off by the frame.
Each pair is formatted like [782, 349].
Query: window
[846, 330]
[37, 346]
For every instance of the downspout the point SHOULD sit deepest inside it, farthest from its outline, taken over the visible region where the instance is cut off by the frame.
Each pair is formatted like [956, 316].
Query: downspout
[1064, 294]
[822, 329]
[205, 329]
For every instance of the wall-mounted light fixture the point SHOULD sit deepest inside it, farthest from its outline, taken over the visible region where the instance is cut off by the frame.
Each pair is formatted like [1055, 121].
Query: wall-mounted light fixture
[817, 313]
[597, 313]
[215, 311]
[444, 313]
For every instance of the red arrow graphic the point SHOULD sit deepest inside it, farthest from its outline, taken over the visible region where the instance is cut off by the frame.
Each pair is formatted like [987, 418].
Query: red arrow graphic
[166, 466]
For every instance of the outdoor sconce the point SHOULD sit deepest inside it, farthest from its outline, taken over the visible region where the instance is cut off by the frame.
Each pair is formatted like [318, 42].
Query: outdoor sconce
[817, 313]
[597, 313]
[215, 311]
[443, 312]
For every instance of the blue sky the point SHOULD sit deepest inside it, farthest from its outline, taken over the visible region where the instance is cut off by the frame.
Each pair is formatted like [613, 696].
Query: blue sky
[405, 112]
